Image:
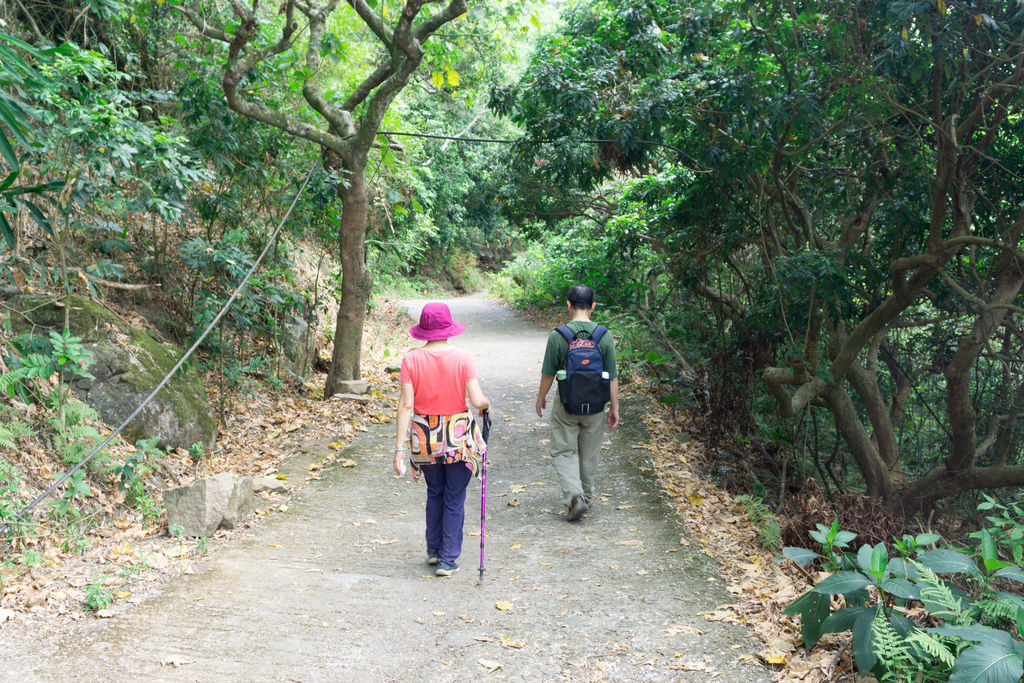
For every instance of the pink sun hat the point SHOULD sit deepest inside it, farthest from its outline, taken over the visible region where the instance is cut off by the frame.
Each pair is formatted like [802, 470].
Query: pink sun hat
[436, 323]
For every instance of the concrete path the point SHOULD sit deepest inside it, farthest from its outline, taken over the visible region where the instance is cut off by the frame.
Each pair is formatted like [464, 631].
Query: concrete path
[337, 588]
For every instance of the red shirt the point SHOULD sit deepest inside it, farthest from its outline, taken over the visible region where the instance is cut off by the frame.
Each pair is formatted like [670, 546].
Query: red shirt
[438, 379]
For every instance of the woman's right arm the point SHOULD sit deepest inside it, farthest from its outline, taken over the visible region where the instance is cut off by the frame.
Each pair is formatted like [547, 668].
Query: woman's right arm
[403, 418]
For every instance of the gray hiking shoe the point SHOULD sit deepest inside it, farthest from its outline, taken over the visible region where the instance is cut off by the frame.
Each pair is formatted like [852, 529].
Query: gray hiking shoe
[445, 569]
[576, 508]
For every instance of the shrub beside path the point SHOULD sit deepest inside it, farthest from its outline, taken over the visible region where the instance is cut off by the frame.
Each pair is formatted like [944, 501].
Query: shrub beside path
[337, 588]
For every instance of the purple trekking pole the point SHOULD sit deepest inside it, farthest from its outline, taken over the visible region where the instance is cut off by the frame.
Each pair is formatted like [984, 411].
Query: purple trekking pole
[486, 419]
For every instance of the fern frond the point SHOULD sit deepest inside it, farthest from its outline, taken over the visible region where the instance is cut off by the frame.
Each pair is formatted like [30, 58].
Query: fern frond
[996, 610]
[931, 647]
[938, 597]
[888, 645]
[11, 432]
[12, 378]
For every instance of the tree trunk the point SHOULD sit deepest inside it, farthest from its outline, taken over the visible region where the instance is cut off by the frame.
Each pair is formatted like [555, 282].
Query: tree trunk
[356, 283]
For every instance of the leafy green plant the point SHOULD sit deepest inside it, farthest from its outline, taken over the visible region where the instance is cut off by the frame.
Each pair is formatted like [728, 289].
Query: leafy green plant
[202, 545]
[1007, 528]
[96, 596]
[136, 468]
[11, 499]
[977, 639]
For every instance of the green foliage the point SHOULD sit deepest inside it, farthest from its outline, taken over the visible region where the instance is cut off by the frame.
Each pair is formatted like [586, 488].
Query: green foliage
[135, 469]
[763, 521]
[96, 596]
[978, 636]
[11, 499]
[1006, 525]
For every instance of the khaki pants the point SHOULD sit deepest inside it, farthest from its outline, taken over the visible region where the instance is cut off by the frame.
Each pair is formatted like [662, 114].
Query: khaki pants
[576, 450]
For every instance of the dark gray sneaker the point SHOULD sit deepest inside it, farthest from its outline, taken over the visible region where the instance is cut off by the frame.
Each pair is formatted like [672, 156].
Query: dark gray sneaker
[576, 508]
[432, 558]
[445, 569]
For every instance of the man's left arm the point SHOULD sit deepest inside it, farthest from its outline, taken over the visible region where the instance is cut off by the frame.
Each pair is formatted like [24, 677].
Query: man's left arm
[613, 409]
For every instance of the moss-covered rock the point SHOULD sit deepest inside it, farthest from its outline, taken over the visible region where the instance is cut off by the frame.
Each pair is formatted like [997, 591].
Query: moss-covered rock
[127, 365]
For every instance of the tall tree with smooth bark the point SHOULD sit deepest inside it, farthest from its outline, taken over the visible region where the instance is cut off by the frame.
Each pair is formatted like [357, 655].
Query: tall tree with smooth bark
[347, 129]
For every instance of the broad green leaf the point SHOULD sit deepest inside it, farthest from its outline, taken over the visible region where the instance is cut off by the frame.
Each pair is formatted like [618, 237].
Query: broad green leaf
[901, 588]
[813, 609]
[987, 663]
[802, 556]
[975, 633]
[437, 78]
[453, 78]
[8, 152]
[843, 619]
[5, 230]
[1011, 572]
[989, 552]
[9, 180]
[863, 652]
[949, 562]
[535, 20]
[843, 582]
[38, 216]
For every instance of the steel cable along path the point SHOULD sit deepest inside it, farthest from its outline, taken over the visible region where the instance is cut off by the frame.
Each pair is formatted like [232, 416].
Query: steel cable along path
[188, 354]
[170, 374]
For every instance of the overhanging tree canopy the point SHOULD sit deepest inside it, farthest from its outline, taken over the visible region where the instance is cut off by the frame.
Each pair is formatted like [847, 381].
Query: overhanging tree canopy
[345, 129]
[850, 200]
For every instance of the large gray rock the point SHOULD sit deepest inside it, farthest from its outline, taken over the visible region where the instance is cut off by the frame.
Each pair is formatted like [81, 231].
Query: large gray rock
[208, 504]
[127, 365]
[298, 341]
[353, 386]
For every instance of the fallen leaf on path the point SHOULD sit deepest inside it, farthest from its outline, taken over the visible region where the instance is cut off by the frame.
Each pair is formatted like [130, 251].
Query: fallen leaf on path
[336, 445]
[105, 613]
[773, 656]
[484, 639]
[544, 564]
[123, 594]
[632, 541]
[690, 665]
[346, 462]
[682, 628]
[514, 644]
[504, 605]
[514, 503]
[381, 541]
[623, 507]
[438, 614]
[175, 660]
[516, 546]
[517, 488]
[695, 499]
[489, 664]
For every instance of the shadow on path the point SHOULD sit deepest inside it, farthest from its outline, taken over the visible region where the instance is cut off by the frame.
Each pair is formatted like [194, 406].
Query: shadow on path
[337, 588]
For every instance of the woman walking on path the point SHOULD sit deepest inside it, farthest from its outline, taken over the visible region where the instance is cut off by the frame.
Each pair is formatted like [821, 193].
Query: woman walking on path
[445, 443]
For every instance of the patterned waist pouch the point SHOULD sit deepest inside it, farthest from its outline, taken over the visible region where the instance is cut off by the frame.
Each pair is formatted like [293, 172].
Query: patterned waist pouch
[446, 439]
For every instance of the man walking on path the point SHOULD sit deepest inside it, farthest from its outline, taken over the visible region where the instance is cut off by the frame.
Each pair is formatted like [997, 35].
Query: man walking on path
[576, 439]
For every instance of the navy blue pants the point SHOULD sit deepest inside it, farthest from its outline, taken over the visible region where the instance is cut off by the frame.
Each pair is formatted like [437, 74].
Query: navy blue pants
[446, 508]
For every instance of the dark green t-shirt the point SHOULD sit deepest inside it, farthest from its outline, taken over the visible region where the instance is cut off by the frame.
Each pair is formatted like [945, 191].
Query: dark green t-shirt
[558, 347]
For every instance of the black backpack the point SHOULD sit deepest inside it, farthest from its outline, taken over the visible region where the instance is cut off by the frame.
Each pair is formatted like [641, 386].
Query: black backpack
[586, 387]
